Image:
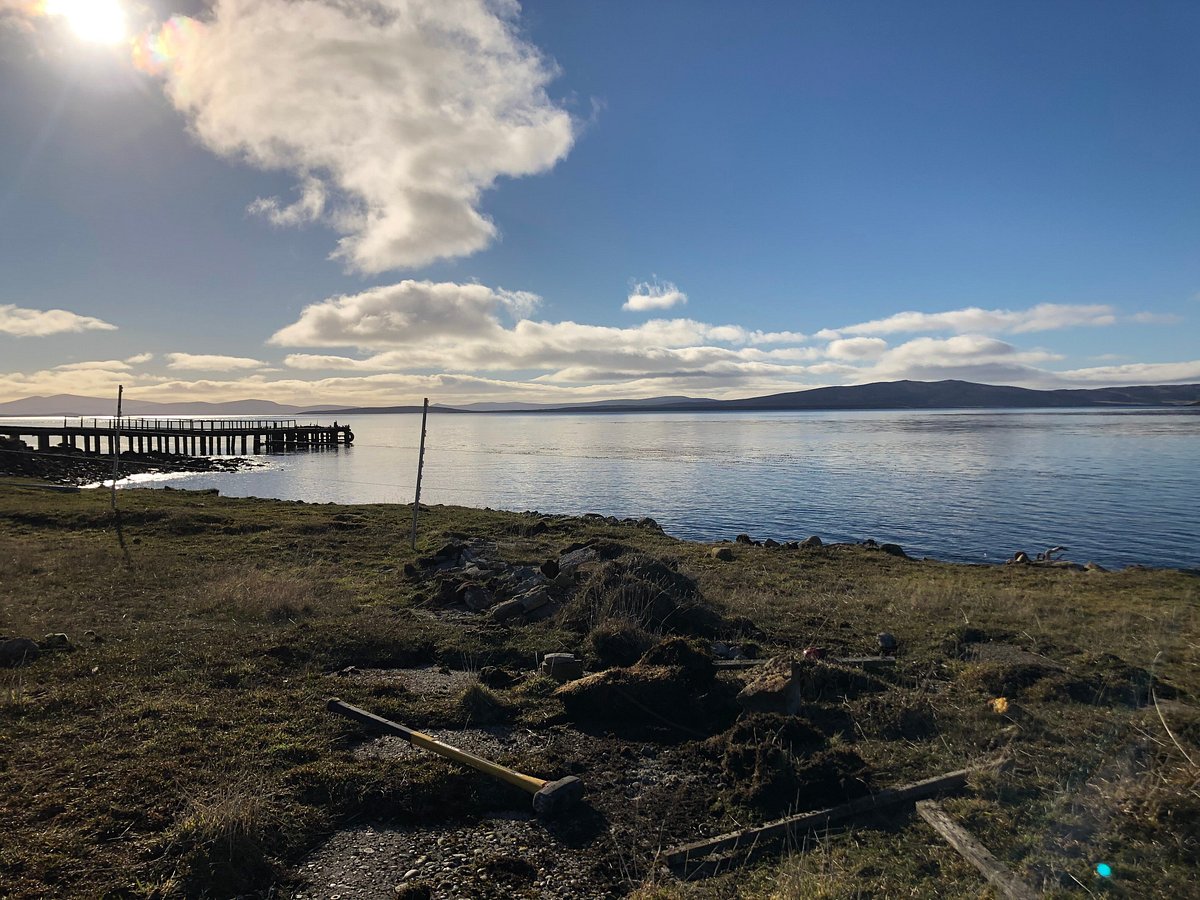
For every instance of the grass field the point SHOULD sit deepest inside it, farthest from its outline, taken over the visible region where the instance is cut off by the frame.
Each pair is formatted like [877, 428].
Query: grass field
[182, 748]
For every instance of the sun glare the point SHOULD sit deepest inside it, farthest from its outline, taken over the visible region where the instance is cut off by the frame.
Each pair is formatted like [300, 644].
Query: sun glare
[95, 21]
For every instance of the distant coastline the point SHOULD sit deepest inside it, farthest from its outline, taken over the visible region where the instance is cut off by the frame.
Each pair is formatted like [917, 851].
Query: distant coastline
[888, 395]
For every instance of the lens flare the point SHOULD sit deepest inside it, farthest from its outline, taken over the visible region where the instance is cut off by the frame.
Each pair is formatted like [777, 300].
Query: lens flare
[153, 53]
[95, 21]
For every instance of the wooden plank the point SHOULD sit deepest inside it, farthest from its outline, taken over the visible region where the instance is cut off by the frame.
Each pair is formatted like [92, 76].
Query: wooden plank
[864, 662]
[1008, 884]
[815, 821]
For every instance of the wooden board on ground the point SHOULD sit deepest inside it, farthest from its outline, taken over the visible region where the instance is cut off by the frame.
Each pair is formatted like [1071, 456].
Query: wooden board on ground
[681, 856]
[1008, 884]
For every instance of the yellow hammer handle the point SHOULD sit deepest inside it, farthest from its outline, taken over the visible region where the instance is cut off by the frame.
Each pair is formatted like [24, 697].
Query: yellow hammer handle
[419, 739]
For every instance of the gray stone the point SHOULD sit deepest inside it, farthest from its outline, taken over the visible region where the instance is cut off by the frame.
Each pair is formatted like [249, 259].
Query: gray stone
[893, 550]
[811, 543]
[509, 609]
[18, 651]
[576, 558]
[771, 544]
[562, 666]
[887, 642]
[476, 597]
[57, 641]
[722, 553]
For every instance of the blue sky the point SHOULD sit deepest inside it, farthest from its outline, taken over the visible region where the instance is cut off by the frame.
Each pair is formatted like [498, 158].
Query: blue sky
[373, 202]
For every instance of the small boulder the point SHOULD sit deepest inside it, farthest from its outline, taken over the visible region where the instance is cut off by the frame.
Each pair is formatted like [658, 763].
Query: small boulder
[893, 550]
[568, 562]
[562, 667]
[722, 553]
[550, 569]
[476, 597]
[18, 652]
[811, 543]
[509, 609]
[771, 544]
[744, 539]
[56, 642]
[887, 642]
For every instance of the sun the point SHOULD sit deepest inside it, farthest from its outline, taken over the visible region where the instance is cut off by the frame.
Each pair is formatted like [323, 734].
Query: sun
[95, 21]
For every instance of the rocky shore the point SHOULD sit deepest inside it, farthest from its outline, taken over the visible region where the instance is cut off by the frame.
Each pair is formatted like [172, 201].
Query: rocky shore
[71, 466]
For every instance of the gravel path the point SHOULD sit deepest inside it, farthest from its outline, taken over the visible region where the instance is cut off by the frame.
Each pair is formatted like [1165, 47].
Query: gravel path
[505, 856]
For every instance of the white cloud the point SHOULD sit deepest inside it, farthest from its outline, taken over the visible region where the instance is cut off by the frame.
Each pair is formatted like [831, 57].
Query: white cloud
[1151, 318]
[139, 358]
[21, 322]
[200, 362]
[396, 115]
[104, 365]
[857, 348]
[649, 295]
[410, 312]
[1043, 317]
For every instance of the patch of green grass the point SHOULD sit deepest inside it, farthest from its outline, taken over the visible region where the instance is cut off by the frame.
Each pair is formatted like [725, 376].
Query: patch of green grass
[185, 750]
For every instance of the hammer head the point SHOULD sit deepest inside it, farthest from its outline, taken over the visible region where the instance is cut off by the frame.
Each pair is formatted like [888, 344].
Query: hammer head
[556, 796]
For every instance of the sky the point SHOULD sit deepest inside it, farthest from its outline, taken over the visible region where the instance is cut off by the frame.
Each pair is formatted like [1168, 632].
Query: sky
[366, 202]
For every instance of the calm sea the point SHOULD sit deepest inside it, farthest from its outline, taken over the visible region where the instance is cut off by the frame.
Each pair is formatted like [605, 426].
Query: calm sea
[1116, 487]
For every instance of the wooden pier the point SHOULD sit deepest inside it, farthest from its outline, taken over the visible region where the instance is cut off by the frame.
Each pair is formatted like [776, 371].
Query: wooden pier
[186, 437]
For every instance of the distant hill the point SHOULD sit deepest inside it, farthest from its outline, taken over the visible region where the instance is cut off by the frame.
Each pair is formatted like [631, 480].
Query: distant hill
[948, 394]
[73, 405]
[880, 395]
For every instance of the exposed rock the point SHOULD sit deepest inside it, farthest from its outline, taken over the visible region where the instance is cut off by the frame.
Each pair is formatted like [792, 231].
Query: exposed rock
[550, 568]
[496, 677]
[887, 642]
[56, 642]
[893, 550]
[576, 558]
[18, 652]
[722, 553]
[562, 666]
[647, 522]
[475, 597]
[771, 544]
[782, 684]
[745, 539]
[810, 543]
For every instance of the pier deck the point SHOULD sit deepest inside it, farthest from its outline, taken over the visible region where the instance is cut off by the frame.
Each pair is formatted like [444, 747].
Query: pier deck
[190, 437]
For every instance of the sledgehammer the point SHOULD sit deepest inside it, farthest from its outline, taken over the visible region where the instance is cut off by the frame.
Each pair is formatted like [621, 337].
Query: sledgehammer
[549, 797]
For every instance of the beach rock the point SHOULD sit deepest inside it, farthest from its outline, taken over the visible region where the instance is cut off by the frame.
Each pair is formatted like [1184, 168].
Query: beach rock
[722, 553]
[647, 522]
[18, 652]
[1094, 567]
[745, 539]
[771, 544]
[476, 597]
[496, 677]
[887, 642]
[562, 667]
[509, 609]
[810, 543]
[893, 550]
[576, 558]
[56, 642]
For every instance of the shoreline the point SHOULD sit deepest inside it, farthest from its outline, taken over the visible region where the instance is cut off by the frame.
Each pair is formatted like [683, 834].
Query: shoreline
[71, 467]
[207, 636]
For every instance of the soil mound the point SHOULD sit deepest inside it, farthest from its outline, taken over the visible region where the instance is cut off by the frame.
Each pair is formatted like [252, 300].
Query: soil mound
[647, 590]
[782, 763]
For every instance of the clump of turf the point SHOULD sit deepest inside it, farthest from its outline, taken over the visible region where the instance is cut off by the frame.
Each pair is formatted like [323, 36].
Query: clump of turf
[478, 704]
[618, 642]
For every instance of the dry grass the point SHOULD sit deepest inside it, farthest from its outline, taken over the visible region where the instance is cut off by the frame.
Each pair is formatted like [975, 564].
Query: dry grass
[252, 594]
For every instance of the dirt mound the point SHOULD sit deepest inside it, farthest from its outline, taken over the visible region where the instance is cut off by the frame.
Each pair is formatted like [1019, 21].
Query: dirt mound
[649, 591]
[693, 662]
[782, 763]
[639, 694]
[618, 642]
[672, 686]
[782, 684]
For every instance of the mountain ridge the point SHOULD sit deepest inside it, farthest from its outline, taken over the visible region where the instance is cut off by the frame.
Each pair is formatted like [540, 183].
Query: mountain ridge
[945, 394]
